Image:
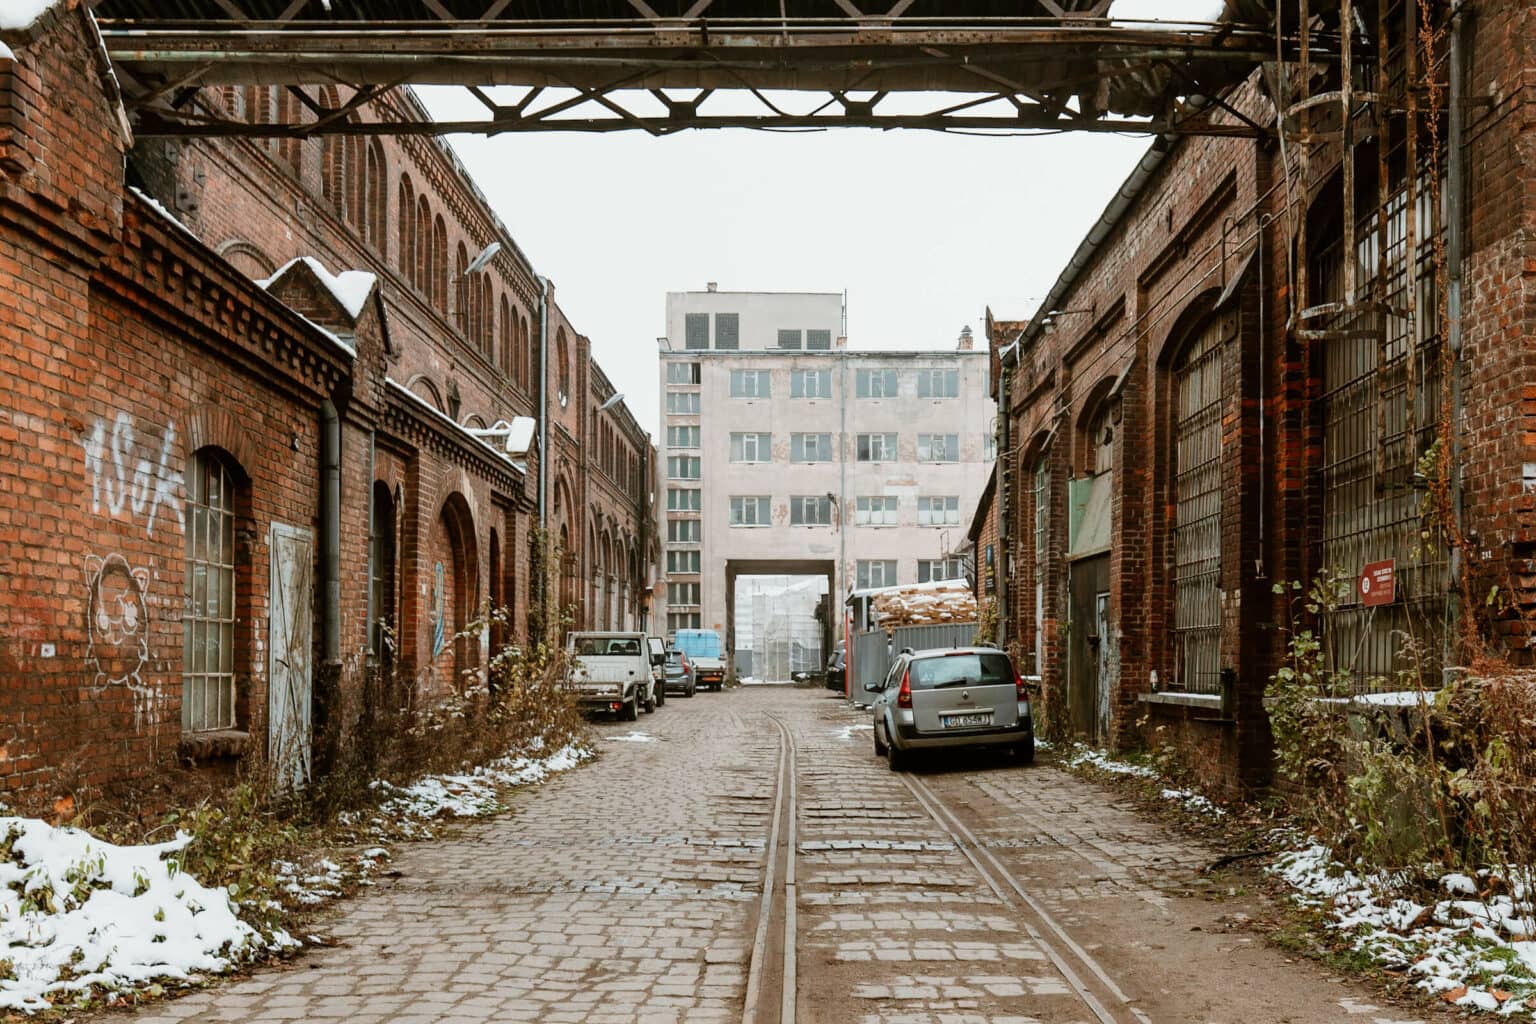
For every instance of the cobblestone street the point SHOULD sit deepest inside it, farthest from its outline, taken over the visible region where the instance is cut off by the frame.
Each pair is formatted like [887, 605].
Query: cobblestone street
[629, 891]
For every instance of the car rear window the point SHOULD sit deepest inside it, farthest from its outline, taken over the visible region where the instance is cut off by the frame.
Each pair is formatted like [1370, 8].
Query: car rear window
[600, 645]
[959, 669]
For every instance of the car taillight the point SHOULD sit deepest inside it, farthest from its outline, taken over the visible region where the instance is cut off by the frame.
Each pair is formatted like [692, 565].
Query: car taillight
[904, 695]
[683, 660]
[1018, 686]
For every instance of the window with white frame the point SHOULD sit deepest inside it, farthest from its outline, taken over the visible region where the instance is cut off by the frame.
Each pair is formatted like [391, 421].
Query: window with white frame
[682, 373]
[749, 510]
[750, 384]
[684, 499]
[682, 594]
[938, 510]
[875, 383]
[683, 531]
[208, 617]
[810, 510]
[751, 447]
[818, 339]
[683, 561]
[938, 447]
[696, 330]
[810, 447]
[875, 572]
[683, 467]
[876, 447]
[938, 383]
[875, 510]
[728, 330]
[682, 437]
[682, 620]
[931, 569]
[810, 384]
[789, 339]
[683, 403]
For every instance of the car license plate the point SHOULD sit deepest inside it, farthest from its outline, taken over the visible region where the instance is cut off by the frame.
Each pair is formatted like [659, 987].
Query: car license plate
[963, 721]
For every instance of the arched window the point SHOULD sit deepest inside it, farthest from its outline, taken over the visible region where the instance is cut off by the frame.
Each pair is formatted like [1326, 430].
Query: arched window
[504, 326]
[487, 306]
[421, 274]
[381, 572]
[1197, 513]
[209, 615]
[258, 104]
[463, 291]
[498, 596]
[407, 229]
[563, 366]
[440, 264]
[375, 216]
[290, 150]
[524, 354]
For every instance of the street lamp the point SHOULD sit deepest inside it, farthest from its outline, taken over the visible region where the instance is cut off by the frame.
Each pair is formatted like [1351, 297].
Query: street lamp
[613, 400]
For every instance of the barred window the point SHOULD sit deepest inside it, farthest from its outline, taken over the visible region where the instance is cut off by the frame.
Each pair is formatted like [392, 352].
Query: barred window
[875, 573]
[815, 339]
[810, 447]
[749, 510]
[810, 384]
[938, 510]
[876, 447]
[728, 330]
[875, 510]
[938, 447]
[875, 383]
[789, 339]
[751, 447]
[208, 620]
[750, 384]
[696, 330]
[937, 383]
[810, 510]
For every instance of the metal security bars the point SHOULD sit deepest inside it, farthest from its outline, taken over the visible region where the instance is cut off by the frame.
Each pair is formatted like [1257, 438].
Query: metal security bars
[1197, 516]
[208, 621]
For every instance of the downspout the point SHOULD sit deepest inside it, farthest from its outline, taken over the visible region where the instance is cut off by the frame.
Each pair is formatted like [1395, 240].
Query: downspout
[372, 526]
[842, 478]
[1003, 493]
[1455, 238]
[544, 459]
[330, 531]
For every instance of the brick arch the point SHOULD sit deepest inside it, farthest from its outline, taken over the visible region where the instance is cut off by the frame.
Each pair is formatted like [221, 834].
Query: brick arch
[1097, 400]
[212, 426]
[454, 548]
[248, 258]
[422, 387]
[1183, 329]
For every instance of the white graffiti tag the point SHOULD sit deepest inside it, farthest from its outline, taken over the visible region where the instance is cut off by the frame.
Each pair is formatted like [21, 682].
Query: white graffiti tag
[117, 625]
[120, 480]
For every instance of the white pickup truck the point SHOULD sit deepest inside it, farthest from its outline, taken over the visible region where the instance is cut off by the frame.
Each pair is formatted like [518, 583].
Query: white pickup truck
[612, 672]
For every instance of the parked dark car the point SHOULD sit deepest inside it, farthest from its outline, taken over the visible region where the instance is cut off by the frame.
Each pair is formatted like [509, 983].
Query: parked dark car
[679, 674]
[837, 670]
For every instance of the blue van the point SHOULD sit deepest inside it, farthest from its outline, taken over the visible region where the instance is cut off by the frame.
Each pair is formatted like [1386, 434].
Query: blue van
[707, 654]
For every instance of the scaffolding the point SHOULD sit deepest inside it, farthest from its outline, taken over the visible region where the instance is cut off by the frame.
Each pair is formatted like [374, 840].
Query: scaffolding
[781, 634]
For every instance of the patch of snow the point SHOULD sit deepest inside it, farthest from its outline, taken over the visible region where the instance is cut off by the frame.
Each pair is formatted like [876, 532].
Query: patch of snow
[6, 53]
[1397, 699]
[18, 14]
[1196, 803]
[406, 392]
[847, 731]
[1102, 761]
[78, 913]
[154, 204]
[634, 737]
[350, 288]
[474, 793]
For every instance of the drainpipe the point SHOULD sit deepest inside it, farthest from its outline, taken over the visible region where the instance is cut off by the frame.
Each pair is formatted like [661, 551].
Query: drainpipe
[1455, 238]
[372, 526]
[842, 480]
[1003, 494]
[544, 459]
[330, 530]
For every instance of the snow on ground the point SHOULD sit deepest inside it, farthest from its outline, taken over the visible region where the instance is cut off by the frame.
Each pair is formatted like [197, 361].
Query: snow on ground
[1102, 761]
[78, 913]
[1473, 950]
[634, 737]
[847, 731]
[1193, 802]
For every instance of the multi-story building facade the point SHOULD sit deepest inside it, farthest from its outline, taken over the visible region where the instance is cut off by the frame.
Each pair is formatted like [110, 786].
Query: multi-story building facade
[785, 452]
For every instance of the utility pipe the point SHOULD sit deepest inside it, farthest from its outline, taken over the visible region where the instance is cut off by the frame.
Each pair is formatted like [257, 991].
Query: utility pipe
[1455, 238]
[544, 459]
[330, 530]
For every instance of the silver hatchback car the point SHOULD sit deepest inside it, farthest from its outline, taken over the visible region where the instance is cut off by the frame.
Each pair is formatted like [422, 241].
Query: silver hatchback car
[951, 697]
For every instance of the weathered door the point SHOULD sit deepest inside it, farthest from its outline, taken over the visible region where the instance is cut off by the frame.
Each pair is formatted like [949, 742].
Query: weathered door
[289, 625]
[1087, 672]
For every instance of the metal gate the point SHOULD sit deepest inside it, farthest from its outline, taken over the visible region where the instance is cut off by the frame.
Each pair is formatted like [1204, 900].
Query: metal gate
[871, 661]
[1197, 515]
[873, 652]
[289, 631]
[1381, 405]
[946, 634]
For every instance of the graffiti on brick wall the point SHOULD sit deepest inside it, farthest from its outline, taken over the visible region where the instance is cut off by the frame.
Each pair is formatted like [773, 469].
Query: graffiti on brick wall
[126, 476]
[117, 627]
[439, 619]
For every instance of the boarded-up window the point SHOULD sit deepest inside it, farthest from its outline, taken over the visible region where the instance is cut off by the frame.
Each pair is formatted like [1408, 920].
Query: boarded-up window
[1197, 514]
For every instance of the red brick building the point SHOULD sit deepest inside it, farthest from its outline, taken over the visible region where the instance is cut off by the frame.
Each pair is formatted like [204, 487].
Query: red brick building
[269, 422]
[1190, 421]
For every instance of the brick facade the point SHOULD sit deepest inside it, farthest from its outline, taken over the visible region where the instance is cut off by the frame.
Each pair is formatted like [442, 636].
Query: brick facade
[157, 329]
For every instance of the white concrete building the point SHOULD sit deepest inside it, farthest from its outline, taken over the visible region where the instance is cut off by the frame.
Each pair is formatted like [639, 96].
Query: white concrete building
[785, 452]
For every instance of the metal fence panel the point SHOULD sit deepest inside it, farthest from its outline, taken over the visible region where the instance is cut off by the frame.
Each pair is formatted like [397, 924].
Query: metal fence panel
[947, 634]
[871, 661]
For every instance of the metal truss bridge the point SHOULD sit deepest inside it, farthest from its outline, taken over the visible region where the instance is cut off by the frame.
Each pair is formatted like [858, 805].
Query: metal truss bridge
[662, 66]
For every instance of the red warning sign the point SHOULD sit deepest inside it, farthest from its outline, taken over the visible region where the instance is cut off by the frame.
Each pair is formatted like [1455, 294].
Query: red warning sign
[1378, 583]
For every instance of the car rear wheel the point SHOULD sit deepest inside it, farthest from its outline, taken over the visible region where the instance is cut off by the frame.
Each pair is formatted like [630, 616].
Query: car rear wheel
[650, 702]
[879, 743]
[690, 691]
[631, 710]
[1024, 753]
[661, 695]
[898, 760]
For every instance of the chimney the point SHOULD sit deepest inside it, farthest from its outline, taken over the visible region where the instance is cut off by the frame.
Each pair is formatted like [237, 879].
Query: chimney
[842, 342]
[966, 343]
[712, 285]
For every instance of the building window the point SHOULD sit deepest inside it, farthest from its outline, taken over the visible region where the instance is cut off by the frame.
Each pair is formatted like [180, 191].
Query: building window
[682, 620]
[810, 384]
[682, 437]
[683, 531]
[810, 447]
[751, 447]
[749, 510]
[876, 447]
[683, 467]
[682, 594]
[750, 384]
[682, 561]
[728, 330]
[810, 510]
[683, 403]
[938, 510]
[875, 383]
[931, 569]
[938, 447]
[819, 340]
[875, 510]
[208, 619]
[1197, 514]
[875, 573]
[789, 339]
[381, 569]
[682, 373]
[696, 330]
[934, 383]
[684, 499]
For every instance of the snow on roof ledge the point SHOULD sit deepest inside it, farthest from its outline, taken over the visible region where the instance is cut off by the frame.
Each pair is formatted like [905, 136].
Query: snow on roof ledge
[473, 435]
[350, 288]
[20, 14]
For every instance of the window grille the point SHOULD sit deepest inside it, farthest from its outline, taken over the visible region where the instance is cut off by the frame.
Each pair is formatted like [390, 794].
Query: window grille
[208, 619]
[789, 339]
[815, 339]
[696, 330]
[1197, 514]
[727, 330]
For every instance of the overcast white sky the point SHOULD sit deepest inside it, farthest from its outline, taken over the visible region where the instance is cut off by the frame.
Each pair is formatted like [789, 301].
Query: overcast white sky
[923, 230]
